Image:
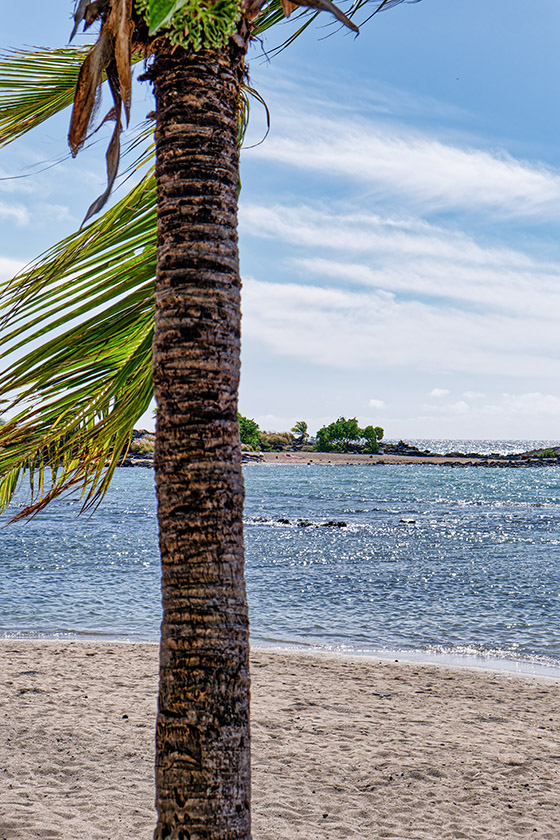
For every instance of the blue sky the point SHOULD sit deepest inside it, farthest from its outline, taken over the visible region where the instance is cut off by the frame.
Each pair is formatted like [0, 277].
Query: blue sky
[399, 226]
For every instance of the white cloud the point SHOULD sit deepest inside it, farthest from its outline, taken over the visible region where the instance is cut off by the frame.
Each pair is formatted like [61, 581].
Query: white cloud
[378, 404]
[459, 407]
[338, 228]
[417, 167]
[9, 267]
[391, 293]
[531, 404]
[409, 256]
[17, 184]
[14, 213]
[377, 332]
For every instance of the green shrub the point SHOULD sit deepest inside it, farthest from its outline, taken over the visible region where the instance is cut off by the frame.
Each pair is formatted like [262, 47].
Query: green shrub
[276, 441]
[249, 431]
[546, 453]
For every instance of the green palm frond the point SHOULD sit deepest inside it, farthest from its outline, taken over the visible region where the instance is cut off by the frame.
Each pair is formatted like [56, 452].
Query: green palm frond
[35, 84]
[83, 317]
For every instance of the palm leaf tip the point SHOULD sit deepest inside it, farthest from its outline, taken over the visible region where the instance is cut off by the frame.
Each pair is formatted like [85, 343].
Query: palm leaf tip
[288, 7]
[284, 8]
[385, 5]
[328, 6]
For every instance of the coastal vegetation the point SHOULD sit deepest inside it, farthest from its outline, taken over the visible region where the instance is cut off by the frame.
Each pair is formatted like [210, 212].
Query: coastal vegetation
[101, 322]
[345, 435]
[546, 453]
[300, 430]
[249, 432]
[341, 435]
[254, 438]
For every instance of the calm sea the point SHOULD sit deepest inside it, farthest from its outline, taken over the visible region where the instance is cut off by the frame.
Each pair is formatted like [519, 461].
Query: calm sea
[430, 563]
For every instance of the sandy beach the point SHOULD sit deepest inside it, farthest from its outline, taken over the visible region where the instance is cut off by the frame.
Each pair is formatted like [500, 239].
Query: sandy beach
[340, 458]
[341, 747]
[352, 458]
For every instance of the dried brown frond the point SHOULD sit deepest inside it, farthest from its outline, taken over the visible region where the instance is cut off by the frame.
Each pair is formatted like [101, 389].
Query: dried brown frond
[110, 58]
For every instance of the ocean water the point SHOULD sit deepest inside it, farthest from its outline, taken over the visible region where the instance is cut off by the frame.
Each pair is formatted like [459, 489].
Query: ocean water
[430, 563]
[482, 446]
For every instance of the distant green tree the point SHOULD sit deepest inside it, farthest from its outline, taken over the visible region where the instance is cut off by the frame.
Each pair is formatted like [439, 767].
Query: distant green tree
[249, 431]
[300, 429]
[342, 434]
[337, 436]
[372, 435]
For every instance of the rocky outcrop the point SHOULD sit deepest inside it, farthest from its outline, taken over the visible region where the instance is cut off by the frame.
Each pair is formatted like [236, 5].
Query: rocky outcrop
[251, 457]
[402, 448]
[532, 458]
[141, 450]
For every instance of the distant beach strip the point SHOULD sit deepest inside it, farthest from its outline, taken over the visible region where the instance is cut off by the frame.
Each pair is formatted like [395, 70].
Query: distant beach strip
[459, 460]
[140, 454]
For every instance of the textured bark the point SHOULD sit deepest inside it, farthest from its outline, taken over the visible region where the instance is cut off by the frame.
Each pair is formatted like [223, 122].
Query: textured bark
[202, 741]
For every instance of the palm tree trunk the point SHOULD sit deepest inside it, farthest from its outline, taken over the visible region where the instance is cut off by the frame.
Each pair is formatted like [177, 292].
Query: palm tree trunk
[202, 740]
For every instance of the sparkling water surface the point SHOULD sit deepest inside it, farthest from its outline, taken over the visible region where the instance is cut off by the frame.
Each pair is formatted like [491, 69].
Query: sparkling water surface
[430, 561]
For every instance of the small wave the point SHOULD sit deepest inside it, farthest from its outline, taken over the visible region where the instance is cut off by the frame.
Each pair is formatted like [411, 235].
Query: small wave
[461, 656]
[63, 635]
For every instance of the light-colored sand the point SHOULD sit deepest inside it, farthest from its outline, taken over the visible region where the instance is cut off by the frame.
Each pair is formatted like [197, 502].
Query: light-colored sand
[341, 748]
[350, 458]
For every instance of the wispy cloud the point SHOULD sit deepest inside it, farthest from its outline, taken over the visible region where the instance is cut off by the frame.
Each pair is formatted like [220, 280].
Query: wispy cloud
[408, 257]
[14, 213]
[418, 168]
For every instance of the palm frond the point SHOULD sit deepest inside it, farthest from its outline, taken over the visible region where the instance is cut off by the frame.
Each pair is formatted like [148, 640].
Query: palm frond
[273, 13]
[83, 316]
[35, 84]
[382, 6]
[247, 94]
[388, 4]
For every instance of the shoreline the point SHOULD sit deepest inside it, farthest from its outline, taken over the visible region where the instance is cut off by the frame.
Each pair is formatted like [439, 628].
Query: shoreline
[141, 455]
[489, 662]
[348, 459]
[360, 459]
[341, 747]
